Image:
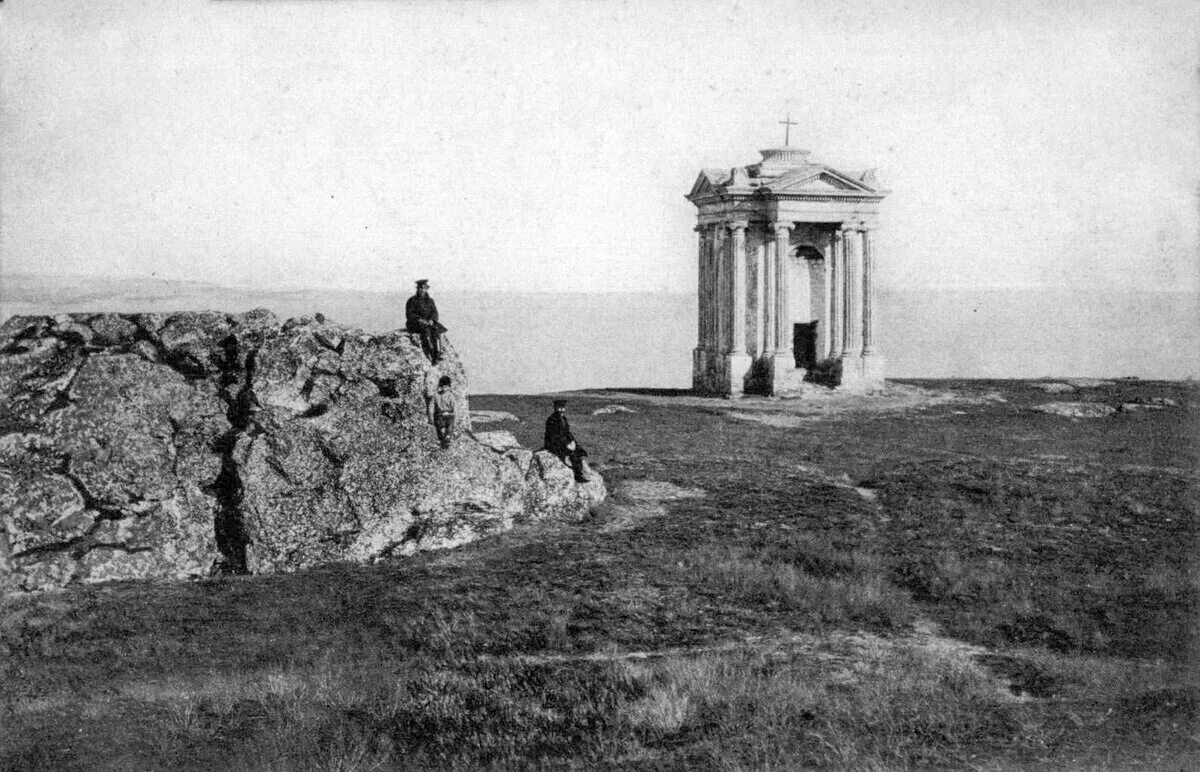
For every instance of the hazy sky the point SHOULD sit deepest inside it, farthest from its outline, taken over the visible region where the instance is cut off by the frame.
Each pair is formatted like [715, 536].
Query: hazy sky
[548, 146]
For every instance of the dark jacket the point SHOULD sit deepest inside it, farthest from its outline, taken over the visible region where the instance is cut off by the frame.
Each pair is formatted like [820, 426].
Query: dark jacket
[558, 436]
[418, 308]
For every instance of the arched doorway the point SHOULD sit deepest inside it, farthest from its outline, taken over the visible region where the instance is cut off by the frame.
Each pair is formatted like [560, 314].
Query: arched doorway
[807, 280]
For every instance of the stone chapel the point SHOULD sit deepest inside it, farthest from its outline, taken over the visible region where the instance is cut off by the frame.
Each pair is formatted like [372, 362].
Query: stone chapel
[785, 280]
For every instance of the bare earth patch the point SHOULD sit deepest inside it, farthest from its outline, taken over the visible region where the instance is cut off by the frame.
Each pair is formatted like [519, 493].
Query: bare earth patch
[1090, 383]
[781, 420]
[1054, 387]
[835, 657]
[814, 400]
[1076, 409]
[639, 500]
[610, 409]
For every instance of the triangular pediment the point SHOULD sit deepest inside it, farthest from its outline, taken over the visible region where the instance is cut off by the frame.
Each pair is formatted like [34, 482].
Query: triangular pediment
[822, 182]
[708, 182]
[825, 180]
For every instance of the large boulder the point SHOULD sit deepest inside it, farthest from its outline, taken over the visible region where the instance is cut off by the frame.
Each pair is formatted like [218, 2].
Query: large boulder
[167, 446]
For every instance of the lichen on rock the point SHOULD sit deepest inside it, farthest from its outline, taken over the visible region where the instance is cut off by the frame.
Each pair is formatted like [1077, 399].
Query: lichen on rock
[175, 445]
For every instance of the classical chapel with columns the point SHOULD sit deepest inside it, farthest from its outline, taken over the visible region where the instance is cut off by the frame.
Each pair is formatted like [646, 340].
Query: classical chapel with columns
[785, 280]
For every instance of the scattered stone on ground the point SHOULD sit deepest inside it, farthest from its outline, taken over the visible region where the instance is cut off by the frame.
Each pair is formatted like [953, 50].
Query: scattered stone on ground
[491, 416]
[1153, 403]
[1090, 383]
[176, 445]
[1076, 409]
[839, 481]
[610, 409]
[870, 494]
[1053, 387]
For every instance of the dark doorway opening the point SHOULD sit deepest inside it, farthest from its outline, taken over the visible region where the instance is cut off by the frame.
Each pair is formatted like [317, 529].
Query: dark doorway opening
[804, 343]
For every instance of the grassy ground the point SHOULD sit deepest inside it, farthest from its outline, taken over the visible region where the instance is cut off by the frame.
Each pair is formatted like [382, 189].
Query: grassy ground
[944, 583]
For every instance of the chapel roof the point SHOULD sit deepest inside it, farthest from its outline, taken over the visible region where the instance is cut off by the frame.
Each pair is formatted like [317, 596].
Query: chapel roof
[785, 172]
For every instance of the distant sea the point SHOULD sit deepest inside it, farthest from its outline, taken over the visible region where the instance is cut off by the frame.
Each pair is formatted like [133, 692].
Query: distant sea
[533, 343]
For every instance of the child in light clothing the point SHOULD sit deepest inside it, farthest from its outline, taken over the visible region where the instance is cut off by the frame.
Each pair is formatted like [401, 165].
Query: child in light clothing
[442, 408]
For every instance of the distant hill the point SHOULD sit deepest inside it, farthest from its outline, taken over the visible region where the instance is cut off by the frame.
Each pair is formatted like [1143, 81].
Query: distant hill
[532, 343]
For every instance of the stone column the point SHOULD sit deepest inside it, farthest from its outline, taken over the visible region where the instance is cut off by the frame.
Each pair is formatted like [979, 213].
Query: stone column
[702, 356]
[710, 288]
[784, 378]
[738, 286]
[701, 282]
[868, 330]
[836, 292]
[872, 363]
[769, 292]
[758, 256]
[853, 293]
[826, 350]
[720, 291]
[783, 311]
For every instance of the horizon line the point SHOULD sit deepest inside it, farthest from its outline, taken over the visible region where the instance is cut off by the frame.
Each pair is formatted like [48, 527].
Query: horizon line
[1174, 289]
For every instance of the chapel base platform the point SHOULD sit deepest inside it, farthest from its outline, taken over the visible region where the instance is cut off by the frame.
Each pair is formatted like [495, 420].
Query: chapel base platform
[719, 374]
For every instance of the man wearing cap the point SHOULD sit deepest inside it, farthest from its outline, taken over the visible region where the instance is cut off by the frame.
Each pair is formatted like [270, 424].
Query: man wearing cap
[421, 317]
[560, 442]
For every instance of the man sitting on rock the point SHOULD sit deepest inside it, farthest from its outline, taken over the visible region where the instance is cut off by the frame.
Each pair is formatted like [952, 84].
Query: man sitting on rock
[421, 317]
[560, 442]
[441, 411]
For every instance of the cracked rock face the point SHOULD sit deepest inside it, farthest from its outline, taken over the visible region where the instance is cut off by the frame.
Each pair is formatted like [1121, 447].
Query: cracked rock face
[168, 446]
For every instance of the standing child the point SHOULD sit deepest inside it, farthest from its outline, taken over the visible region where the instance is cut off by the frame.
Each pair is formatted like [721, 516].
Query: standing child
[441, 409]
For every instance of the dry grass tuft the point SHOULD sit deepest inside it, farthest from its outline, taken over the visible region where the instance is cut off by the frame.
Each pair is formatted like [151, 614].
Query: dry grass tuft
[898, 706]
[819, 585]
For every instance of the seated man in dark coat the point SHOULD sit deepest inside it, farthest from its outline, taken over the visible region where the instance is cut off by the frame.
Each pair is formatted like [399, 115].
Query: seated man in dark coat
[560, 442]
[421, 317]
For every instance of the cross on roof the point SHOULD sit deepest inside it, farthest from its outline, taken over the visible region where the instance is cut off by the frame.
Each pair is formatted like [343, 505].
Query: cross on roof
[787, 131]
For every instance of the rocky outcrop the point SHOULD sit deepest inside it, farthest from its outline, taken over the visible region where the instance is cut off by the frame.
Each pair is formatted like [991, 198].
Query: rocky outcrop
[159, 446]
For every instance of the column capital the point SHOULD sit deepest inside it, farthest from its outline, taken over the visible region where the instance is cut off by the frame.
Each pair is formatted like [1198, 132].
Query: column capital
[780, 225]
[737, 225]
